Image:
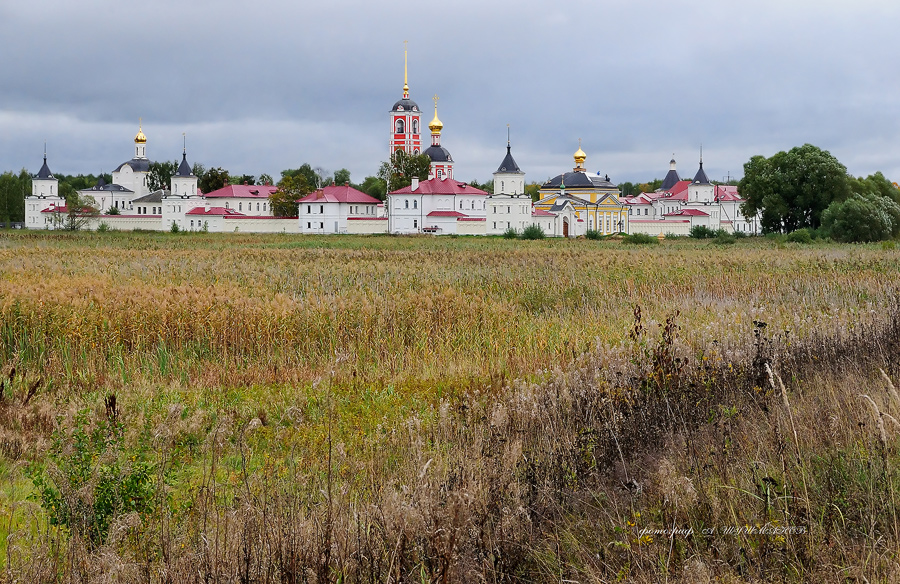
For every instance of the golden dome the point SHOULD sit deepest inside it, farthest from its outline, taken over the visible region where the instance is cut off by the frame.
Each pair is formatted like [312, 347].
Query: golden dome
[140, 138]
[580, 156]
[435, 126]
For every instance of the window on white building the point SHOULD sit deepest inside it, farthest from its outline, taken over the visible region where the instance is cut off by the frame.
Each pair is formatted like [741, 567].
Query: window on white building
[406, 203]
[415, 223]
[415, 204]
[321, 209]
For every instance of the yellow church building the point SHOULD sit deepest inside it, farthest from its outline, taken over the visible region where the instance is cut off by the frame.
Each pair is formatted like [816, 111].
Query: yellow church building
[593, 197]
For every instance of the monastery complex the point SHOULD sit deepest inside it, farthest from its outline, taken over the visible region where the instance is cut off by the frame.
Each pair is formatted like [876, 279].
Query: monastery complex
[570, 204]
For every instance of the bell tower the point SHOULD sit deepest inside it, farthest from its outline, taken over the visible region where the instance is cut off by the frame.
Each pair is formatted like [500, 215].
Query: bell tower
[406, 119]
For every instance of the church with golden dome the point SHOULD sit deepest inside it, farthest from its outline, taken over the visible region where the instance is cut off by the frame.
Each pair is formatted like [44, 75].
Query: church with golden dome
[132, 174]
[593, 197]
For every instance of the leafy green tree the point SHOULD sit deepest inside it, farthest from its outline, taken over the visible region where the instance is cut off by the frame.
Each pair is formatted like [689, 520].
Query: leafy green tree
[533, 189]
[291, 188]
[266, 179]
[213, 180]
[13, 190]
[487, 186]
[242, 179]
[374, 187]
[199, 170]
[875, 184]
[629, 189]
[648, 187]
[314, 180]
[160, 175]
[399, 171]
[792, 189]
[341, 176]
[862, 217]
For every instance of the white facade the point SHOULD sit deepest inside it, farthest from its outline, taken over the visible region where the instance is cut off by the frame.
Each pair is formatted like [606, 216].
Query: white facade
[44, 194]
[434, 206]
[508, 212]
[332, 216]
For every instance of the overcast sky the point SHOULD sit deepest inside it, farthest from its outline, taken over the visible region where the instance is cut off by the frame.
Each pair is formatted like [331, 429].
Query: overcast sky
[266, 85]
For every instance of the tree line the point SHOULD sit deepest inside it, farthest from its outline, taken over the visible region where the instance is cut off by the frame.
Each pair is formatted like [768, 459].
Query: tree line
[807, 188]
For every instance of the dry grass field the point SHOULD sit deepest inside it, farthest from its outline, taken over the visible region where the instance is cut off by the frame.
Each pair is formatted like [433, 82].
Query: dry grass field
[359, 409]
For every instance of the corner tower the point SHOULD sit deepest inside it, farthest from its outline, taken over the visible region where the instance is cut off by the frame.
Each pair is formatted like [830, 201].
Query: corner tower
[406, 120]
[509, 178]
[44, 195]
[184, 182]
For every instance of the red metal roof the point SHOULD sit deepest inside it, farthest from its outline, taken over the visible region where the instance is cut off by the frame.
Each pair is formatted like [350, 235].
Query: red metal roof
[446, 214]
[243, 192]
[679, 192]
[436, 186]
[214, 211]
[686, 212]
[727, 193]
[541, 213]
[339, 194]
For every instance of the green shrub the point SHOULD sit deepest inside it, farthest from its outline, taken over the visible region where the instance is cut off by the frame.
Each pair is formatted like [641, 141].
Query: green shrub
[862, 217]
[533, 232]
[724, 238]
[103, 227]
[113, 211]
[702, 232]
[640, 239]
[174, 228]
[91, 479]
[510, 233]
[800, 236]
[593, 234]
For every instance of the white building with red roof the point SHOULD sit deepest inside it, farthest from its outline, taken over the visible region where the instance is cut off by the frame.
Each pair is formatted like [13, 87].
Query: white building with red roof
[252, 200]
[440, 206]
[680, 205]
[328, 209]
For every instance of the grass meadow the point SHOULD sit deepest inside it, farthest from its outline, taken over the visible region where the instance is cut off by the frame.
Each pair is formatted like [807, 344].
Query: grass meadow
[265, 408]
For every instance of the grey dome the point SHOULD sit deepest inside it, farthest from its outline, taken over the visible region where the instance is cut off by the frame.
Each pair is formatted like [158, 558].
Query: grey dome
[405, 105]
[438, 154]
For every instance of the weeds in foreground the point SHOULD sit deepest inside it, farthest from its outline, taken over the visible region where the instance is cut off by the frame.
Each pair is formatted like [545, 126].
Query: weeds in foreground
[654, 463]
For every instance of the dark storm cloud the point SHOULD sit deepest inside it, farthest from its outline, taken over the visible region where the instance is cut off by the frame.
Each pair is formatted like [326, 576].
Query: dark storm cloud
[259, 87]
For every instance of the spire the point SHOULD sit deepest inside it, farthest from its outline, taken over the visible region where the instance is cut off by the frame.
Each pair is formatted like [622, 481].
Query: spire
[405, 77]
[184, 169]
[700, 177]
[44, 172]
[509, 164]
